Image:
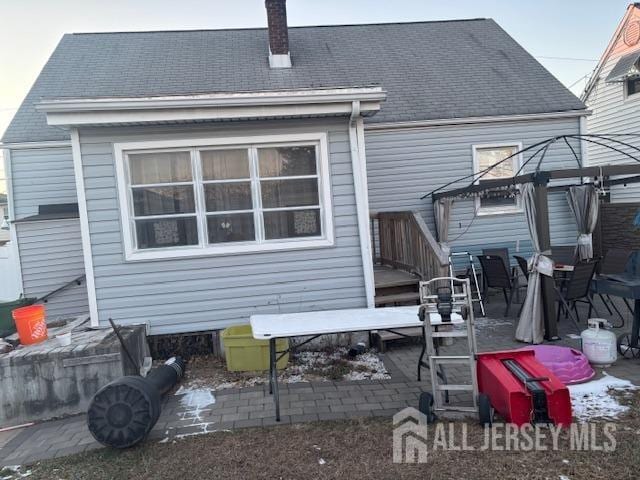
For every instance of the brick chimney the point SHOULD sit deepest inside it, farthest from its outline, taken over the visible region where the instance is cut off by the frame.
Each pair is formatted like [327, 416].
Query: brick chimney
[278, 34]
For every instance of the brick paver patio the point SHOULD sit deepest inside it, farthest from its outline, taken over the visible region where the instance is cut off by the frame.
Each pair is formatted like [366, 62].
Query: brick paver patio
[300, 402]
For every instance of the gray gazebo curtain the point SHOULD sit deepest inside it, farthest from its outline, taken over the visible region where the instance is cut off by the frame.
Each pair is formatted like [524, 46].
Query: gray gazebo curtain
[531, 324]
[442, 214]
[583, 201]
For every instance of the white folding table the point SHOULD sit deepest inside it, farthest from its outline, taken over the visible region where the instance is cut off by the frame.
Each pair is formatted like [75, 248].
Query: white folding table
[314, 324]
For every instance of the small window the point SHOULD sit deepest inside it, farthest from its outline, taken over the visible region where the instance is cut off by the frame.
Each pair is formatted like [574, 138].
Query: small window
[633, 86]
[499, 200]
[226, 198]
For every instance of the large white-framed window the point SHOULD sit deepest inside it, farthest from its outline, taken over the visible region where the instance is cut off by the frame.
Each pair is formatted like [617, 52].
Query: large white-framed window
[486, 155]
[200, 197]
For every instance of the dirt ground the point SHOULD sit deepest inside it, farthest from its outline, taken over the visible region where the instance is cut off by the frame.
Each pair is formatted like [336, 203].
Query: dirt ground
[349, 449]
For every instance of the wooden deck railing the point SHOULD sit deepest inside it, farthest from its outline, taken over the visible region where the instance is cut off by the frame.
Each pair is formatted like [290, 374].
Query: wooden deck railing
[402, 240]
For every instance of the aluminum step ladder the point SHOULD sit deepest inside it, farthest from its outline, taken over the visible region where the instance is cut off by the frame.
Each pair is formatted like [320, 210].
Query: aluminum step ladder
[472, 269]
[454, 320]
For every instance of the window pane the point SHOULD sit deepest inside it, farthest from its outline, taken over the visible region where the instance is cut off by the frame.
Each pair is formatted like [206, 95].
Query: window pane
[287, 161]
[498, 202]
[224, 164]
[220, 197]
[633, 86]
[166, 232]
[163, 200]
[237, 227]
[491, 156]
[289, 193]
[160, 167]
[292, 223]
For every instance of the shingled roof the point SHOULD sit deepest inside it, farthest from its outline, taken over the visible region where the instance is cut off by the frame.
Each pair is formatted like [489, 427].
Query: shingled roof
[430, 70]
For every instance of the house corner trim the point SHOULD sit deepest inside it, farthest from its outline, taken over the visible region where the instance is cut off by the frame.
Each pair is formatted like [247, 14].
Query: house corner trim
[84, 227]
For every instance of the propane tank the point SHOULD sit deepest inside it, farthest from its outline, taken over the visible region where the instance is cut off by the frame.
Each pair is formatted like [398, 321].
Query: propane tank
[599, 344]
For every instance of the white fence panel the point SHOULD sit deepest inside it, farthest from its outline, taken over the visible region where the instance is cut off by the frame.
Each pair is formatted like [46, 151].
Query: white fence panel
[10, 287]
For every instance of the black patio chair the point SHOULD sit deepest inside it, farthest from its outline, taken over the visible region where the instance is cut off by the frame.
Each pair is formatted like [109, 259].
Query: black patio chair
[577, 290]
[504, 254]
[496, 275]
[614, 263]
[564, 254]
[524, 265]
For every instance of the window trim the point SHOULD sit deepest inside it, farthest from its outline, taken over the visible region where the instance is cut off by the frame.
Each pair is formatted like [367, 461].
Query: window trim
[203, 248]
[487, 211]
[625, 92]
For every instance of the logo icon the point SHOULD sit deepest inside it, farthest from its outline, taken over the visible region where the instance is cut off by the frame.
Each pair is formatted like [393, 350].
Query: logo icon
[410, 436]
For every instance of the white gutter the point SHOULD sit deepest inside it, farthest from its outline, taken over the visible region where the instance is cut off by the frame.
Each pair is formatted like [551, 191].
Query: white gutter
[289, 97]
[358, 165]
[474, 120]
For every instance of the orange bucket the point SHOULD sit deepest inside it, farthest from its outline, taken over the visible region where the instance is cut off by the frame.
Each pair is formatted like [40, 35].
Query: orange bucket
[31, 324]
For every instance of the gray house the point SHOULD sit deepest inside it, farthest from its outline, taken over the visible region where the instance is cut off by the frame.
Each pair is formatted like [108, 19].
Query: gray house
[198, 177]
[613, 96]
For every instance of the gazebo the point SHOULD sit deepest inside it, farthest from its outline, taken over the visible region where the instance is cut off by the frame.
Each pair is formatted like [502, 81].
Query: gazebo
[538, 317]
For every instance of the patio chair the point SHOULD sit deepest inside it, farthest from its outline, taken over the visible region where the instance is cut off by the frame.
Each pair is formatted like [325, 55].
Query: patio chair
[614, 263]
[504, 254]
[524, 265]
[565, 254]
[577, 290]
[496, 275]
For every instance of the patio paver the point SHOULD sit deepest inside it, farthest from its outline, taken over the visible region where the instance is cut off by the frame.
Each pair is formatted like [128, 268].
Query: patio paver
[301, 402]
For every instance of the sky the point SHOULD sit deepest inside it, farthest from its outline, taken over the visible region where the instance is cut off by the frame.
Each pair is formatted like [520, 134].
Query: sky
[566, 36]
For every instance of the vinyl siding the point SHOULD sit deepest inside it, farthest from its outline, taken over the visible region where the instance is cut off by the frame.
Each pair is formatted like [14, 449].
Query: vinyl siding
[51, 256]
[211, 292]
[41, 176]
[613, 113]
[403, 165]
[50, 251]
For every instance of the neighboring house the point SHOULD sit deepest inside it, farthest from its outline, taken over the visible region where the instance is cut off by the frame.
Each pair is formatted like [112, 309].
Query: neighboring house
[613, 96]
[221, 173]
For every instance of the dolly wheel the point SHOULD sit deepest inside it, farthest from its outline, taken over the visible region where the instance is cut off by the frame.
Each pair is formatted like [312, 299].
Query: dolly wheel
[425, 406]
[485, 410]
[625, 347]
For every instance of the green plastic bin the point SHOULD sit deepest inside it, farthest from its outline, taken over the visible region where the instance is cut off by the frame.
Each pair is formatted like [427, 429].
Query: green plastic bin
[246, 354]
[7, 325]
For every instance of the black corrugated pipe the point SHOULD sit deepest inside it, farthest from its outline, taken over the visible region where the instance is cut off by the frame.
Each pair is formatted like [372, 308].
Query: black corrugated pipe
[122, 413]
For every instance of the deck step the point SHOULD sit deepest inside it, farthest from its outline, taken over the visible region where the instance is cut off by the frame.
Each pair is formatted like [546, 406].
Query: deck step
[407, 297]
[383, 336]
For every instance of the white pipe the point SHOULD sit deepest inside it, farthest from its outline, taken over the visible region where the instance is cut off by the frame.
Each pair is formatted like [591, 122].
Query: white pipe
[358, 165]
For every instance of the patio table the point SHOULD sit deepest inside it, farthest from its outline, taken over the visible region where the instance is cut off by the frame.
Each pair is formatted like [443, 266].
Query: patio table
[624, 286]
[314, 324]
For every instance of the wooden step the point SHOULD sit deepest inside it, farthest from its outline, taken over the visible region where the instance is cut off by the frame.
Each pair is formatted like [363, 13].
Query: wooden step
[407, 297]
[384, 336]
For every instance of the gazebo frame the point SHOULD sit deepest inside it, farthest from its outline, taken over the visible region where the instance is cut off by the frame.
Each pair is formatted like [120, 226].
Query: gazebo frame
[540, 179]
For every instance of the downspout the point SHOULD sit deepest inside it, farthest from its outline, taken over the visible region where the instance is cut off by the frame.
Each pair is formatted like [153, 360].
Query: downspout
[359, 168]
[13, 232]
[584, 153]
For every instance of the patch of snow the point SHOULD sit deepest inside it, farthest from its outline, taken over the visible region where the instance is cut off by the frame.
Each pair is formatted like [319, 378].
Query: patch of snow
[482, 323]
[594, 399]
[564, 477]
[322, 461]
[14, 472]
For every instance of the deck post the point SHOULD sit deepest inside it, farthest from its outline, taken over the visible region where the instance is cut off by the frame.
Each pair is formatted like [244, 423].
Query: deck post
[541, 180]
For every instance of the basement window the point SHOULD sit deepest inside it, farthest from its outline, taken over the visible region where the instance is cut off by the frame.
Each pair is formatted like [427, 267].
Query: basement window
[497, 201]
[224, 198]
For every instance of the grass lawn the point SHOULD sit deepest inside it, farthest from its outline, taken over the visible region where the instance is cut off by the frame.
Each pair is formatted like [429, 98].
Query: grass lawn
[347, 450]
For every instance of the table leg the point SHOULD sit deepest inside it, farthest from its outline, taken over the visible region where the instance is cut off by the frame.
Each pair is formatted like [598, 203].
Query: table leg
[635, 329]
[424, 348]
[274, 376]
